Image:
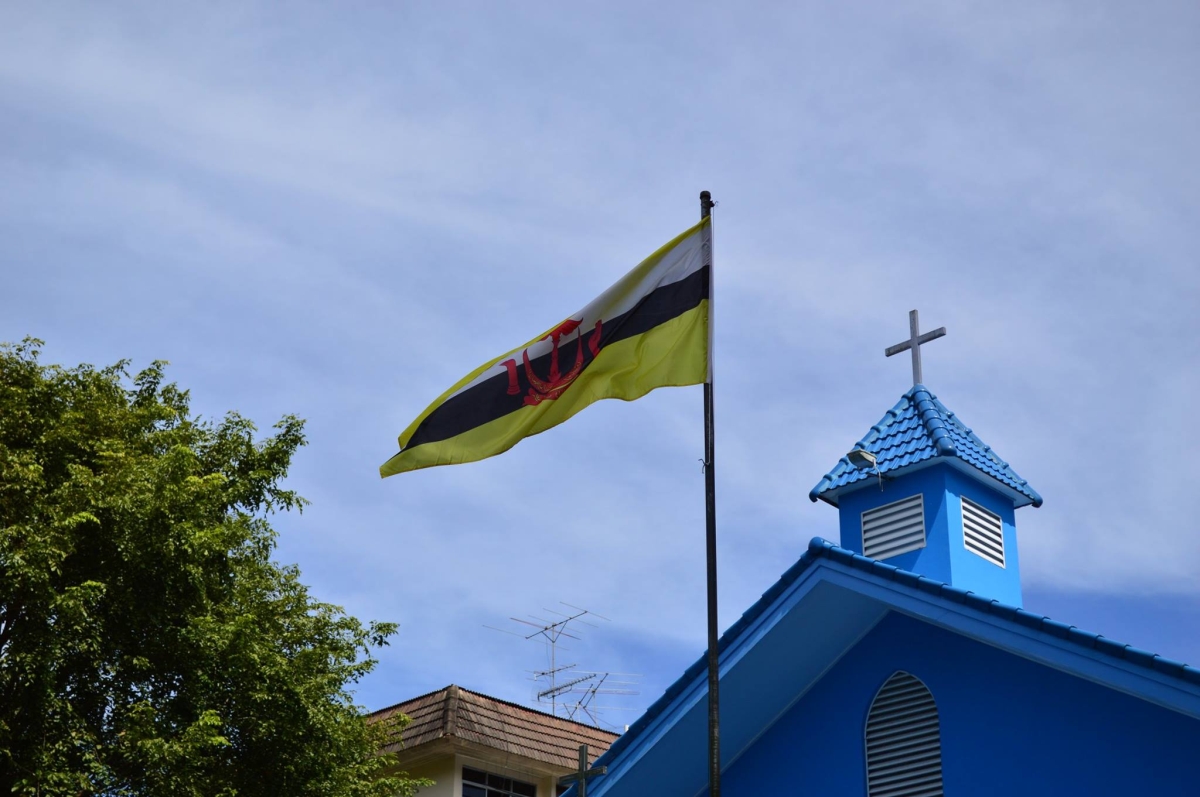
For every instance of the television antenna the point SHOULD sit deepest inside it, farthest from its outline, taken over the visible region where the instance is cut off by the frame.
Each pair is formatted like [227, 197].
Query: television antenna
[589, 685]
[562, 682]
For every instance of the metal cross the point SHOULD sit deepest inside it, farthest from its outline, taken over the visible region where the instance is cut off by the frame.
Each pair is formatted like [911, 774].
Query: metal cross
[914, 343]
[583, 773]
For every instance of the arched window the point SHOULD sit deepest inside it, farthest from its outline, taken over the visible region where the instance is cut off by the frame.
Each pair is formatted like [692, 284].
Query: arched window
[904, 747]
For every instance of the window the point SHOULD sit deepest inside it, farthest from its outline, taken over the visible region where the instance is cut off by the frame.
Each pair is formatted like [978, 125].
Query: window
[895, 528]
[484, 784]
[983, 532]
[903, 741]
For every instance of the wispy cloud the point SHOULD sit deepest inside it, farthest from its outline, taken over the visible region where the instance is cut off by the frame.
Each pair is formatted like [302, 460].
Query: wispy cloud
[338, 212]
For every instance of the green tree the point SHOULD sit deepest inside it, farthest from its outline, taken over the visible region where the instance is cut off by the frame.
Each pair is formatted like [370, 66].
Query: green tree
[148, 643]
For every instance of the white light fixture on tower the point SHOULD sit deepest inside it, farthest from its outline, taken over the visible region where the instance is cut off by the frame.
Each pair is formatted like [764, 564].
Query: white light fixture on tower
[865, 460]
[861, 459]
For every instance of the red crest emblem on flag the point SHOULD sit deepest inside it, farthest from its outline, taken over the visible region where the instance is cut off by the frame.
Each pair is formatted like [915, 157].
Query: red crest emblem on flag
[557, 382]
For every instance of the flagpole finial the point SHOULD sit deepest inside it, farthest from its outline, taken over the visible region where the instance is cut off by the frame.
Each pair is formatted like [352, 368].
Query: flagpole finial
[706, 204]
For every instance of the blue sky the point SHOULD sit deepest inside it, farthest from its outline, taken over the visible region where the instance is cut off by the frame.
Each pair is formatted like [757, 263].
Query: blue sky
[337, 210]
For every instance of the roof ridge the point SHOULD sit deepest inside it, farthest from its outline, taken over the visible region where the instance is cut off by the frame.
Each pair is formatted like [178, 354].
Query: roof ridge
[931, 412]
[974, 438]
[988, 450]
[408, 700]
[450, 711]
[533, 710]
[460, 690]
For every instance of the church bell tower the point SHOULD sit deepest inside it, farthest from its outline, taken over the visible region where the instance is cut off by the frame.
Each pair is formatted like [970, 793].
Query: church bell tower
[922, 492]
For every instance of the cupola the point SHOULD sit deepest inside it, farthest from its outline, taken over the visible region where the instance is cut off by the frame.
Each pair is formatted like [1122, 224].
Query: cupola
[922, 492]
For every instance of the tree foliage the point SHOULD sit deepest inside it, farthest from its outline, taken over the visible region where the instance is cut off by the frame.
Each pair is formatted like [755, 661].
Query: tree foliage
[148, 643]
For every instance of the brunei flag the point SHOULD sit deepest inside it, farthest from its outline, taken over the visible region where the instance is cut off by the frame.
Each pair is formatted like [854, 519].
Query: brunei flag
[650, 329]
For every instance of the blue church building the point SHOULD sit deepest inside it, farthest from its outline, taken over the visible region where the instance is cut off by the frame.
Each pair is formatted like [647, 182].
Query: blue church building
[902, 663]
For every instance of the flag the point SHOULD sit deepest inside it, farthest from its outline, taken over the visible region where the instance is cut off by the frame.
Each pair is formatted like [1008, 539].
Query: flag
[650, 329]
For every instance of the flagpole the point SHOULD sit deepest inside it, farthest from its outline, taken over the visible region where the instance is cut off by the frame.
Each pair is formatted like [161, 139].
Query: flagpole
[710, 501]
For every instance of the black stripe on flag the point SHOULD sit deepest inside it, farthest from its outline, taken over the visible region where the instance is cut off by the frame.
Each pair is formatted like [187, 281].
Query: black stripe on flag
[490, 399]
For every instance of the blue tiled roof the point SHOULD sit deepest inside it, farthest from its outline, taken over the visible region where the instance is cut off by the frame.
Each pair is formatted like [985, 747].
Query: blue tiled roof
[819, 548]
[918, 428]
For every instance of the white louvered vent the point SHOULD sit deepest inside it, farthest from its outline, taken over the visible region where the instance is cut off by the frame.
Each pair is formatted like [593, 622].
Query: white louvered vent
[983, 532]
[895, 528]
[904, 747]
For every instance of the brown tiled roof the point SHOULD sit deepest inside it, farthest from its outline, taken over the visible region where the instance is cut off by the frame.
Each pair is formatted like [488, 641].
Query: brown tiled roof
[498, 724]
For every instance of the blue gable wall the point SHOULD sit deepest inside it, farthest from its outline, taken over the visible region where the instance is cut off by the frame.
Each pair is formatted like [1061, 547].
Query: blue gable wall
[944, 557]
[1008, 726]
